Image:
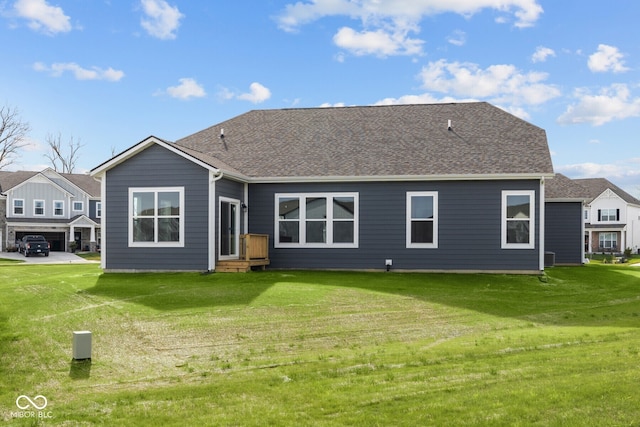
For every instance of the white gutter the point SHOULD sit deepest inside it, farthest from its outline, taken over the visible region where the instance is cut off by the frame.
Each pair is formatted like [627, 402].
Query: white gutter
[542, 223]
[215, 176]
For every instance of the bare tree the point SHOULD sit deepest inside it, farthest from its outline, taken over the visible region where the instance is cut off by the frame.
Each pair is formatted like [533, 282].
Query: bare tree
[13, 132]
[63, 158]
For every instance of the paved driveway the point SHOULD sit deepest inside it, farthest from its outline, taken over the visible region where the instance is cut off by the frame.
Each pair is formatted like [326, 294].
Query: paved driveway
[53, 258]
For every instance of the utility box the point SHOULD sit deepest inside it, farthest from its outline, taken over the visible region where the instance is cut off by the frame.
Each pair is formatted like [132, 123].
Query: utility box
[81, 345]
[549, 259]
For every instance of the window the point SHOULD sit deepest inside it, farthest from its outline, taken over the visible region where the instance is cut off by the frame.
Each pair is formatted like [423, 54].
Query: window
[518, 219]
[38, 207]
[606, 215]
[317, 220]
[58, 208]
[157, 216]
[99, 210]
[18, 206]
[422, 219]
[78, 206]
[608, 240]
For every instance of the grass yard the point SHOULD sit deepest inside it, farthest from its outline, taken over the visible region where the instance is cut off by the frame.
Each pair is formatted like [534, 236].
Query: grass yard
[321, 348]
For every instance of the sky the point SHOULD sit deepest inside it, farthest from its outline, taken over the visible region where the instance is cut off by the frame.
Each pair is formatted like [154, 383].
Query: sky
[107, 74]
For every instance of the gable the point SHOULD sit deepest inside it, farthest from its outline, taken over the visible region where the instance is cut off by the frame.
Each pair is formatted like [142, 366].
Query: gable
[143, 145]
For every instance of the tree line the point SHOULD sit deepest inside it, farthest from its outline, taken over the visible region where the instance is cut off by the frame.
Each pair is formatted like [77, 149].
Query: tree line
[62, 155]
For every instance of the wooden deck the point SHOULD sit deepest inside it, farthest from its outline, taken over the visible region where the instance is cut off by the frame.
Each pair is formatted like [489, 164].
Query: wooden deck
[254, 252]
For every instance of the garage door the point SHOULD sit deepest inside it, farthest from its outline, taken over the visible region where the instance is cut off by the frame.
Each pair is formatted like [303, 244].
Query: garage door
[55, 239]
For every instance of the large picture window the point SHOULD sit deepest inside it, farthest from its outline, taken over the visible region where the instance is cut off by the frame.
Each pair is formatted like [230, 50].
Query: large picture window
[317, 220]
[518, 219]
[156, 216]
[422, 219]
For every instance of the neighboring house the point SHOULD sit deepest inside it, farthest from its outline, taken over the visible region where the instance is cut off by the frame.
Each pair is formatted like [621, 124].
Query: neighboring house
[441, 187]
[564, 228]
[63, 207]
[612, 218]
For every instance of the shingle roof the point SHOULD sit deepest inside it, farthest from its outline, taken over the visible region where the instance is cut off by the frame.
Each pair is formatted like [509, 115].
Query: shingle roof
[86, 182]
[597, 186]
[561, 187]
[10, 179]
[397, 140]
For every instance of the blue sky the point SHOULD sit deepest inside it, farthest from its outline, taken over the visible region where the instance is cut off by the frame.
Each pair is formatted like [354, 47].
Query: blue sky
[110, 73]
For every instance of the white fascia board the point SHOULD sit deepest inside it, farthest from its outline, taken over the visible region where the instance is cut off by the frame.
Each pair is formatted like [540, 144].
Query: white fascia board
[37, 176]
[397, 178]
[143, 145]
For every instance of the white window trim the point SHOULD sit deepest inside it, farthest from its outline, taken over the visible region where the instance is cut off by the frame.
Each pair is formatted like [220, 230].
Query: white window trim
[155, 243]
[73, 206]
[98, 209]
[236, 249]
[329, 219]
[35, 202]
[611, 215]
[410, 195]
[54, 208]
[14, 207]
[532, 219]
[612, 240]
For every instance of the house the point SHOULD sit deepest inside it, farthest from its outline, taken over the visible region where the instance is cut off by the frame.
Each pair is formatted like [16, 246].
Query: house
[612, 218]
[440, 187]
[564, 228]
[63, 207]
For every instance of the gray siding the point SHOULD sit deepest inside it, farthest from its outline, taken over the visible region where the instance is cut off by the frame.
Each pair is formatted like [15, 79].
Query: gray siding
[157, 167]
[469, 227]
[563, 231]
[46, 192]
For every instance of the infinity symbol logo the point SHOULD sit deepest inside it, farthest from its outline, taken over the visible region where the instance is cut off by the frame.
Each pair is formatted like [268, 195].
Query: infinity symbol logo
[31, 402]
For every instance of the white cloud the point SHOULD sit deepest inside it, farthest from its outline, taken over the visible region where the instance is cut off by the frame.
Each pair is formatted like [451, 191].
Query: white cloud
[188, 88]
[42, 16]
[387, 23]
[161, 20]
[295, 15]
[500, 84]
[379, 42]
[624, 173]
[257, 94]
[542, 53]
[458, 38]
[424, 98]
[607, 58]
[611, 103]
[80, 73]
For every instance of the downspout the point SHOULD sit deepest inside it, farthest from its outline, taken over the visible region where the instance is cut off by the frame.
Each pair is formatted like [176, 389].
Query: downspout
[542, 222]
[212, 219]
[103, 221]
[245, 213]
[583, 229]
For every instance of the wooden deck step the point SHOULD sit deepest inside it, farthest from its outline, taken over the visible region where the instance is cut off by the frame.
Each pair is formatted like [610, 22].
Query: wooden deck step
[240, 266]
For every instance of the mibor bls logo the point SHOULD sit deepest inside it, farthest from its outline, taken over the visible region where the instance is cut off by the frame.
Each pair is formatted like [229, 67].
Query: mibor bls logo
[31, 407]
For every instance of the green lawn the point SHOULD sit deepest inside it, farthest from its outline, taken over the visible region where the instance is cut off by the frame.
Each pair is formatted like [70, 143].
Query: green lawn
[322, 348]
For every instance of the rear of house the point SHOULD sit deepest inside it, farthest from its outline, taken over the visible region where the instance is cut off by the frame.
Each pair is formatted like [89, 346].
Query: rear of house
[442, 187]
